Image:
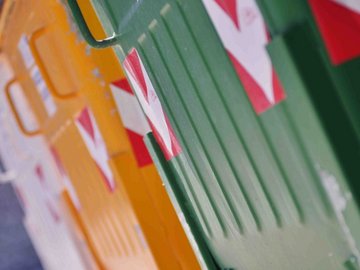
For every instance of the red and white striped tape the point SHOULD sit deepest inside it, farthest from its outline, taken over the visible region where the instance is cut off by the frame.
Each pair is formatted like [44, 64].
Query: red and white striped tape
[243, 33]
[89, 131]
[133, 118]
[151, 105]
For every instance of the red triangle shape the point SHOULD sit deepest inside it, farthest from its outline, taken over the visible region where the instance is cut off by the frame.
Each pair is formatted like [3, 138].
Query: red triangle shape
[85, 120]
[230, 8]
[123, 85]
[340, 29]
[133, 65]
[141, 152]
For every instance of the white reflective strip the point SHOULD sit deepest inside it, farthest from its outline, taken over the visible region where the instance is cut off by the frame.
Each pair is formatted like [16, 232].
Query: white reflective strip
[43, 90]
[25, 51]
[130, 111]
[35, 73]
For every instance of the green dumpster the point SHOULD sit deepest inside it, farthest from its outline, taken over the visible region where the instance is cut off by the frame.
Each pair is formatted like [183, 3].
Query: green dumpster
[251, 145]
[332, 29]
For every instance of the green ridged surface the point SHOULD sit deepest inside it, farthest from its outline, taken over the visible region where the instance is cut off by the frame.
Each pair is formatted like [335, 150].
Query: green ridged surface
[265, 191]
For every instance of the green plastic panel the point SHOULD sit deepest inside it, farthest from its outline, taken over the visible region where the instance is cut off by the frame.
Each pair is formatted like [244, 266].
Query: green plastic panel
[343, 80]
[265, 191]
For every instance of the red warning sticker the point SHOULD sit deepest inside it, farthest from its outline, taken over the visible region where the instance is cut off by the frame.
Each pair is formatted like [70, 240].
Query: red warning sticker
[95, 143]
[243, 33]
[151, 105]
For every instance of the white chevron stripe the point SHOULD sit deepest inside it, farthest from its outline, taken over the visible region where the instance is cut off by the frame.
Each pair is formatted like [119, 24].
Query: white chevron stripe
[97, 148]
[247, 44]
[130, 111]
[153, 108]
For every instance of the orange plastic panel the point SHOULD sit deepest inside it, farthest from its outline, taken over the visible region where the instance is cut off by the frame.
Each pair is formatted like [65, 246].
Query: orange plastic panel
[118, 203]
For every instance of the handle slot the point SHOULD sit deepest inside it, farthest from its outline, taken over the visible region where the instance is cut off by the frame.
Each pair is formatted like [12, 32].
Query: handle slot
[14, 110]
[32, 43]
